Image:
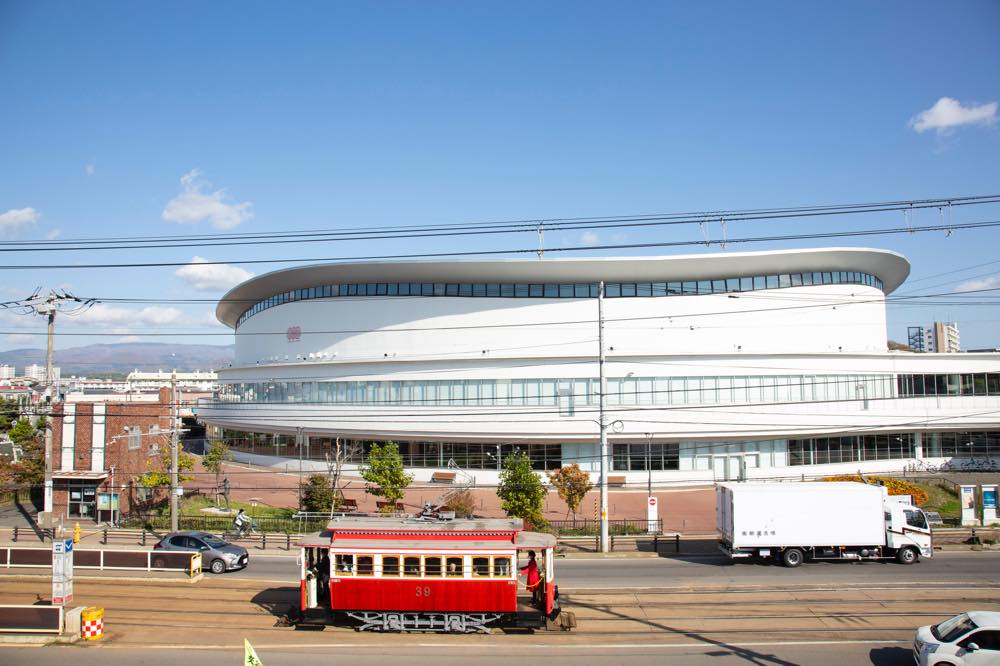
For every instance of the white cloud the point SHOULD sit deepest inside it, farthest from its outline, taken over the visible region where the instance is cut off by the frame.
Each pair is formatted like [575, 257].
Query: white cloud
[992, 282]
[589, 238]
[194, 204]
[150, 315]
[17, 218]
[54, 234]
[90, 168]
[948, 113]
[130, 338]
[22, 339]
[211, 277]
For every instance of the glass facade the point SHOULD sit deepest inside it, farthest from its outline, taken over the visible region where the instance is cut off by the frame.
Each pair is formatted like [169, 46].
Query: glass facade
[633, 457]
[854, 448]
[981, 444]
[722, 285]
[467, 455]
[983, 383]
[567, 394]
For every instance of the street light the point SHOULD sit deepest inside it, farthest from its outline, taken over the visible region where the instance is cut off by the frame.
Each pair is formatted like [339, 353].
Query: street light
[649, 467]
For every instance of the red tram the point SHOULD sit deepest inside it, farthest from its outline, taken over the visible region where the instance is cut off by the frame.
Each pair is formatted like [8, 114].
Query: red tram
[411, 574]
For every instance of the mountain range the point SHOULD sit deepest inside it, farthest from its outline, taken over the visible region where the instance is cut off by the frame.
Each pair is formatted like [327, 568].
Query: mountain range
[124, 357]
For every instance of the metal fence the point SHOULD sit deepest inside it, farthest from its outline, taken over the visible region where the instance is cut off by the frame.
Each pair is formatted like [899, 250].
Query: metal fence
[616, 527]
[222, 524]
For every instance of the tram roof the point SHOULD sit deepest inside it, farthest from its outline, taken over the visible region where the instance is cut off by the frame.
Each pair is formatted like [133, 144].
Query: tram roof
[376, 525]
[365, 532]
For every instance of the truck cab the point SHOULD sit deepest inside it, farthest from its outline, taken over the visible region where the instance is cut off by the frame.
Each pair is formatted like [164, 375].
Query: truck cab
[906, 528]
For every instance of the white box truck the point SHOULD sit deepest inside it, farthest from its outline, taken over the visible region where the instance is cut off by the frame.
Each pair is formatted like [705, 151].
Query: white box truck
[790, 522]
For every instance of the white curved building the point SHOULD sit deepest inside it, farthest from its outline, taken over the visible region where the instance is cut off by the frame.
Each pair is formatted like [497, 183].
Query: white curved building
[764, 364]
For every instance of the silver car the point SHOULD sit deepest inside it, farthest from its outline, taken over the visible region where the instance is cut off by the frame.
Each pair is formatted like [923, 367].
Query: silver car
[969, 639]
[217, 555]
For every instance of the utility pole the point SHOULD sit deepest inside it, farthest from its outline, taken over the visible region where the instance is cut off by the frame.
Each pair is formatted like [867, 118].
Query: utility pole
[298, 444]
[48, 309]
[174, 445]
[48, 306]
[605, 545]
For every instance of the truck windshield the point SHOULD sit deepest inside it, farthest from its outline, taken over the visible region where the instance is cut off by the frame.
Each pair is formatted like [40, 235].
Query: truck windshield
[916, 519]
[953, 629]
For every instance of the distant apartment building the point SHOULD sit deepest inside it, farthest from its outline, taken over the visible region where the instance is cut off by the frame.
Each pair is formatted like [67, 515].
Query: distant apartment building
[197, 381]
[939, 337]
[7, 372]
[37, 372]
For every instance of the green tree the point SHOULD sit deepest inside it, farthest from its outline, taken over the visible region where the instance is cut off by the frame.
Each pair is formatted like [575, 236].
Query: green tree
[21, 431]
[520, 490]
[160, 478]
[573, 484]
[317, 494]
[30, 469]
[215, 457]
[384, 474]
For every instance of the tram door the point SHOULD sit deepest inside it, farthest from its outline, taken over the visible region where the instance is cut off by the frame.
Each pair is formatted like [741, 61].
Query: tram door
[310, 560]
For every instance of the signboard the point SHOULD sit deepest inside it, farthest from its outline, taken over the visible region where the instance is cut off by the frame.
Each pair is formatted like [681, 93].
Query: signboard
[990, 505]
[107, 501]
[294, 333]
[652, 510]
[62, 571]
[967, 498]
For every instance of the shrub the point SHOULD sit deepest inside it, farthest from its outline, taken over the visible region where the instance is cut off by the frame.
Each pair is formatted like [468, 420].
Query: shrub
[894, 486]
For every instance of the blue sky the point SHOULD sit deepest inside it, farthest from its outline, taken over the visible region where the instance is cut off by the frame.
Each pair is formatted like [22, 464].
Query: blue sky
[136, 118]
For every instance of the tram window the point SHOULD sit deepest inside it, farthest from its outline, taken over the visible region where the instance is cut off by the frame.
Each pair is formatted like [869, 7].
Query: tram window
[411, 566]
[344, 564]
[501, 567]
[432, 566]
[366, 565]
[454, 568]
[390, 565]
[481, 566]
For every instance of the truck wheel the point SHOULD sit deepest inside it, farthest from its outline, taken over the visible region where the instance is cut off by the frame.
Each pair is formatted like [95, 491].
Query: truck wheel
[792, 557]
[906, 556]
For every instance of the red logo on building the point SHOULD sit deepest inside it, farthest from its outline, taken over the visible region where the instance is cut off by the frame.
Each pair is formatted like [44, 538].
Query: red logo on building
[294, 333]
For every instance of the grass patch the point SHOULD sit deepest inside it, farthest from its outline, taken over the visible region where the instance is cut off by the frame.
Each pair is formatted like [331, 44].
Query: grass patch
[192, 506]
[943, 499]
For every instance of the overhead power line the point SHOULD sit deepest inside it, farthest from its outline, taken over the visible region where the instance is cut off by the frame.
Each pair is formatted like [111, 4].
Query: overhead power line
[525, 251]
[502, 227]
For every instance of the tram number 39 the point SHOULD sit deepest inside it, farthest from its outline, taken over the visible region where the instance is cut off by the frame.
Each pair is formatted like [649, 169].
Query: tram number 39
[423, 591]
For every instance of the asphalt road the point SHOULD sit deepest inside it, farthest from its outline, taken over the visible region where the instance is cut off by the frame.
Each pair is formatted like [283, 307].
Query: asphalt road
[440, 652]
[951, 567]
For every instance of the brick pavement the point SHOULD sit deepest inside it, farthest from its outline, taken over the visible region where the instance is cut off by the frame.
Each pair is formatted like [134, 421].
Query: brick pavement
[683, 509]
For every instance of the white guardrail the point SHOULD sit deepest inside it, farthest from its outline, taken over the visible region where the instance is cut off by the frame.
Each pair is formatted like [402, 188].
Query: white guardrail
[104, 560]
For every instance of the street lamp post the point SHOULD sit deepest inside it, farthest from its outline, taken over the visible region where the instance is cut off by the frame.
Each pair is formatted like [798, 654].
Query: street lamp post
[649, 467]
[602, 402]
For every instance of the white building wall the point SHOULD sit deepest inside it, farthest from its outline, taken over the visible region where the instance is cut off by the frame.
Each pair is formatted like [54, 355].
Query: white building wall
[423, 328]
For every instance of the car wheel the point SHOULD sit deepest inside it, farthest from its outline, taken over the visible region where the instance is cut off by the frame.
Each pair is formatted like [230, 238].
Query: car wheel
[792, 557]
[218, 566]
[906, 556]
[159, 562]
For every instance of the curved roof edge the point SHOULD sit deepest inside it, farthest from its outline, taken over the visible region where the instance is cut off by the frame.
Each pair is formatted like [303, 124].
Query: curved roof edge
[892, 268]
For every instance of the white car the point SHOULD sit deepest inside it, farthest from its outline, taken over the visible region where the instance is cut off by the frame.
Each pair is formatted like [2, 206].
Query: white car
[971, 638]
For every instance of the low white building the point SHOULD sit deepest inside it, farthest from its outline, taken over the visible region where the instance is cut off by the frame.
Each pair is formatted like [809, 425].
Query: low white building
[717, 366]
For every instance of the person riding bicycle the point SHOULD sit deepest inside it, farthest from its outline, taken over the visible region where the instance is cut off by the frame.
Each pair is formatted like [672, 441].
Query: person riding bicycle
[242, 523]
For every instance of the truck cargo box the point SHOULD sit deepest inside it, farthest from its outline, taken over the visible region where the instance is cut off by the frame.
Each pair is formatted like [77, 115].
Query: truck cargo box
[754, 515]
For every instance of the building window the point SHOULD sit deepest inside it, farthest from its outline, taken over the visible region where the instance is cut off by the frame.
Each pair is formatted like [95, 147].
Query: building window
[154, 439]
[717, 285]
[134, 437]
[632, 457]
